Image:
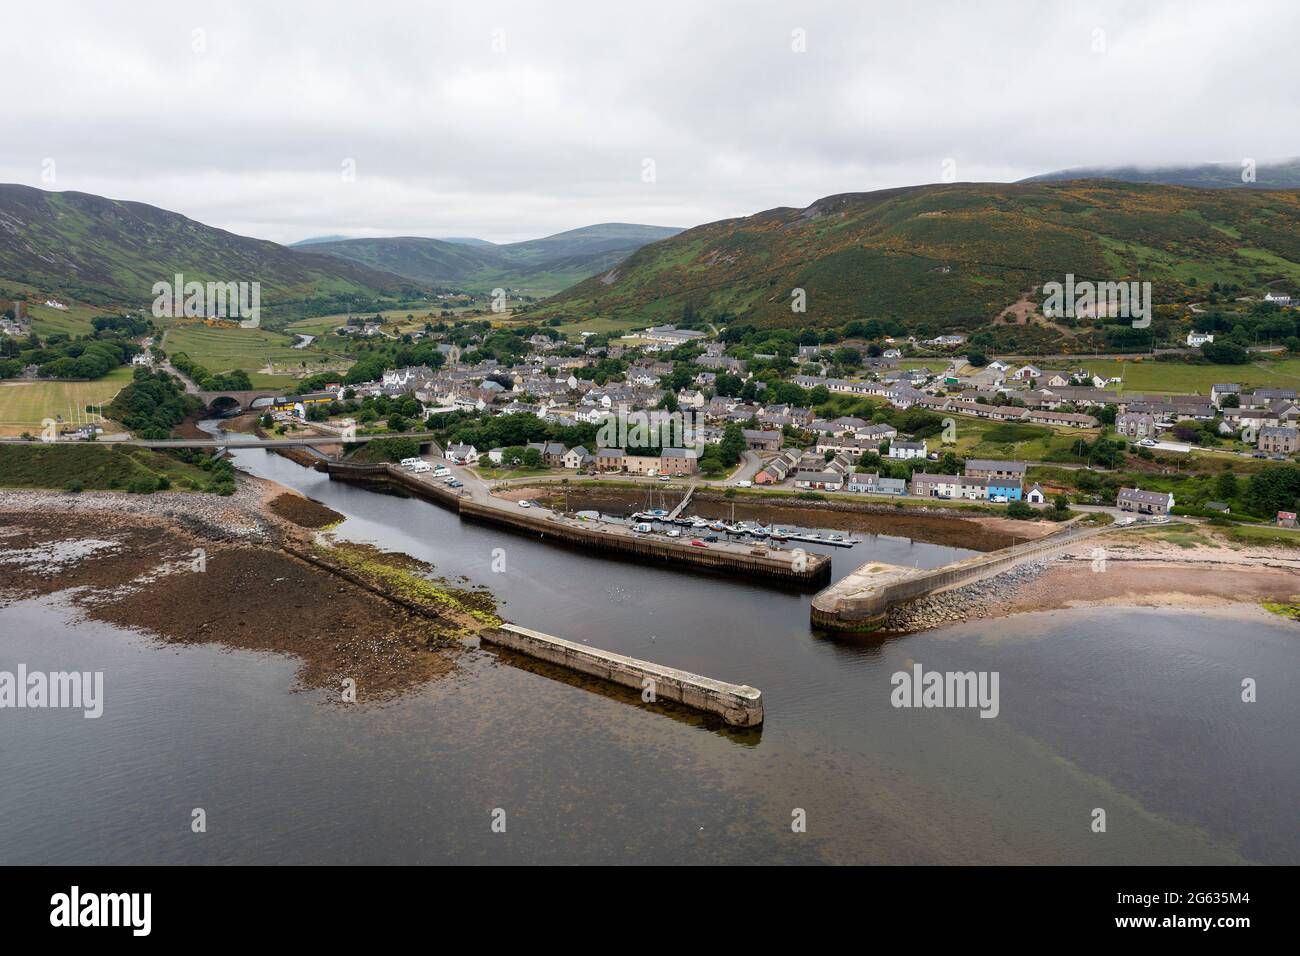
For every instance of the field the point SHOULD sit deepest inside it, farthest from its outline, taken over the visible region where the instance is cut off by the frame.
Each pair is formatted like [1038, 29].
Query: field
[24, 404]
[979, 438]
[47, 320]
[226, 349]
[1176, 377]
[97, 467]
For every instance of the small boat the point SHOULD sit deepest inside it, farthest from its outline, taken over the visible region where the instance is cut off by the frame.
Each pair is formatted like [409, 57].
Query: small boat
[717, 526]
[699, 523]
[779, 535]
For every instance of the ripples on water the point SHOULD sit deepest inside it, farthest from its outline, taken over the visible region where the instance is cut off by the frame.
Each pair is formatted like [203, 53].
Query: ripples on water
[1134, 711]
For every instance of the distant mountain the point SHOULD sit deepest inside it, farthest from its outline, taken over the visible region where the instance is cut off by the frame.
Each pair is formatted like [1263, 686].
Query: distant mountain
[315, 239]
[466, 241]
[1282, 174]
[106, 252]
[948, 257]
[540, 266]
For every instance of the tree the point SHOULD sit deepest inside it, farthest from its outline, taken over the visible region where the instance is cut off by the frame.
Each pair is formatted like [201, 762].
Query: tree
[1225, 353]
[978, 359]
[1226, 486]
[532, 458]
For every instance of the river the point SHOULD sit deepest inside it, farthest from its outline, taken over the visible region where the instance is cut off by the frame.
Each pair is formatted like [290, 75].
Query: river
[1136, 712]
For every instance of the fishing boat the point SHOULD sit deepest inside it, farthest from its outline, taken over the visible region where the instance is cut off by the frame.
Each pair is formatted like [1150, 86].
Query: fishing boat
[779, 535]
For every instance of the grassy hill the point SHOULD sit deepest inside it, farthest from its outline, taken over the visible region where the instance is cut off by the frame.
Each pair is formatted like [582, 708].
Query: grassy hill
[103, 251]
[948, 257]
[537, 266]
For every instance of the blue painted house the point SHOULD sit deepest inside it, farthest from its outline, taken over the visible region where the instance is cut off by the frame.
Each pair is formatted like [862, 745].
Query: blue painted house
[1004, 487]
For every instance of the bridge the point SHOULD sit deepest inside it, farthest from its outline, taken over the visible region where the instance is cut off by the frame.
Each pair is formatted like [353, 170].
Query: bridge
[229, 399]
[237, 441]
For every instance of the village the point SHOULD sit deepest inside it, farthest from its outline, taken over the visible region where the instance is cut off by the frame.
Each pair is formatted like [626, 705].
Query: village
[790, 446]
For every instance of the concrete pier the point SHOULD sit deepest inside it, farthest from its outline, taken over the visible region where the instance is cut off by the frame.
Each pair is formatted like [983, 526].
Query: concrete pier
[793, 565]
[860, 601]
[737, 704]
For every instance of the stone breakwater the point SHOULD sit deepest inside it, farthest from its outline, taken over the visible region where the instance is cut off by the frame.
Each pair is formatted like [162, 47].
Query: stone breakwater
[980, 599]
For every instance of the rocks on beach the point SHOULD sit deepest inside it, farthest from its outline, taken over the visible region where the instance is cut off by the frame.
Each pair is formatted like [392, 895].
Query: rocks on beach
[971, 601]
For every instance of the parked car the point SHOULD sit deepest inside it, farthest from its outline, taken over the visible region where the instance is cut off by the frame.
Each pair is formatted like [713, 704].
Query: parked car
[454, 483]
[675, 533]
[744, 484]
[699, 544]
[525, 504]
[665, 477]
[1148, 442]
[710, 537]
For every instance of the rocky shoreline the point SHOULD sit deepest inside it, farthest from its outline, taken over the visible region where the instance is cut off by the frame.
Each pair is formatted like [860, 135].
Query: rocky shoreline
[980, 599]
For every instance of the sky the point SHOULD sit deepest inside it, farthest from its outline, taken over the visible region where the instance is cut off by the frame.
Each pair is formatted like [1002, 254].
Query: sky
[514, 120]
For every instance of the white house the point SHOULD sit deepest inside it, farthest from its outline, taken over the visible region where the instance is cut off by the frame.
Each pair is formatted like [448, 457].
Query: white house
[1035, 495]
[463, 454]
[1197, 339]
[907, 449]
[577, 457]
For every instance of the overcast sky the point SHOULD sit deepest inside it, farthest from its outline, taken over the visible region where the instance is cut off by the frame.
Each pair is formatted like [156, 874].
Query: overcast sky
[512, 120]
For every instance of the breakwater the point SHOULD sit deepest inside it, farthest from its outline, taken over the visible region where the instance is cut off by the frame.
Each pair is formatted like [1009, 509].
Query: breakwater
[737, 704]
[862, 599]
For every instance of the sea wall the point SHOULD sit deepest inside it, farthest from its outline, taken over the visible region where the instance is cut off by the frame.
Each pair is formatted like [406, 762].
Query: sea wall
[737, 704]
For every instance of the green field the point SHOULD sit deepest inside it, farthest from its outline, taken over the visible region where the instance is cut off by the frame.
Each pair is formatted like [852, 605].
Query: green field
[226, 349]
[96, 467]
[980, 438]
[1176, 377]
[23, 404]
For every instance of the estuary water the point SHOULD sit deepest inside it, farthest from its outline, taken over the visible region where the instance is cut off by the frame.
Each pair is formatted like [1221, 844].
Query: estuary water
[1137, 713]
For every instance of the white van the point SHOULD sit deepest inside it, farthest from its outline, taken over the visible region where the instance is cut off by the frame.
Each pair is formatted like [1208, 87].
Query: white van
[441, 471]
[420, 467]
[642, 528]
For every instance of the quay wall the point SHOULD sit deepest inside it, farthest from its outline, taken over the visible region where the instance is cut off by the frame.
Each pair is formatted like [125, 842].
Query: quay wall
[739, 705]
[757, 562]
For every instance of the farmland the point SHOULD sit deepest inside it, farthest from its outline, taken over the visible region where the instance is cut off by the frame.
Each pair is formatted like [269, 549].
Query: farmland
[24, 404]
[1183, 378]
[268, 357]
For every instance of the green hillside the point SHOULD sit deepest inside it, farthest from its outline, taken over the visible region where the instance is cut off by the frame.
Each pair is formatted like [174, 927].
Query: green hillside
[950, 257]
[102, 251]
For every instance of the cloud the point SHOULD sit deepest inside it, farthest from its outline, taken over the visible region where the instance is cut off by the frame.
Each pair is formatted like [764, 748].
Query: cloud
[513, 120]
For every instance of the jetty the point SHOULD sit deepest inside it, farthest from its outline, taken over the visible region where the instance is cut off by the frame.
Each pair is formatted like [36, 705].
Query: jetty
[747, 559]
[739, 705]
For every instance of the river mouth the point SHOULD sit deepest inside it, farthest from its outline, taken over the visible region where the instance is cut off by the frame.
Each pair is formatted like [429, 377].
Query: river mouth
[1136, 711]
